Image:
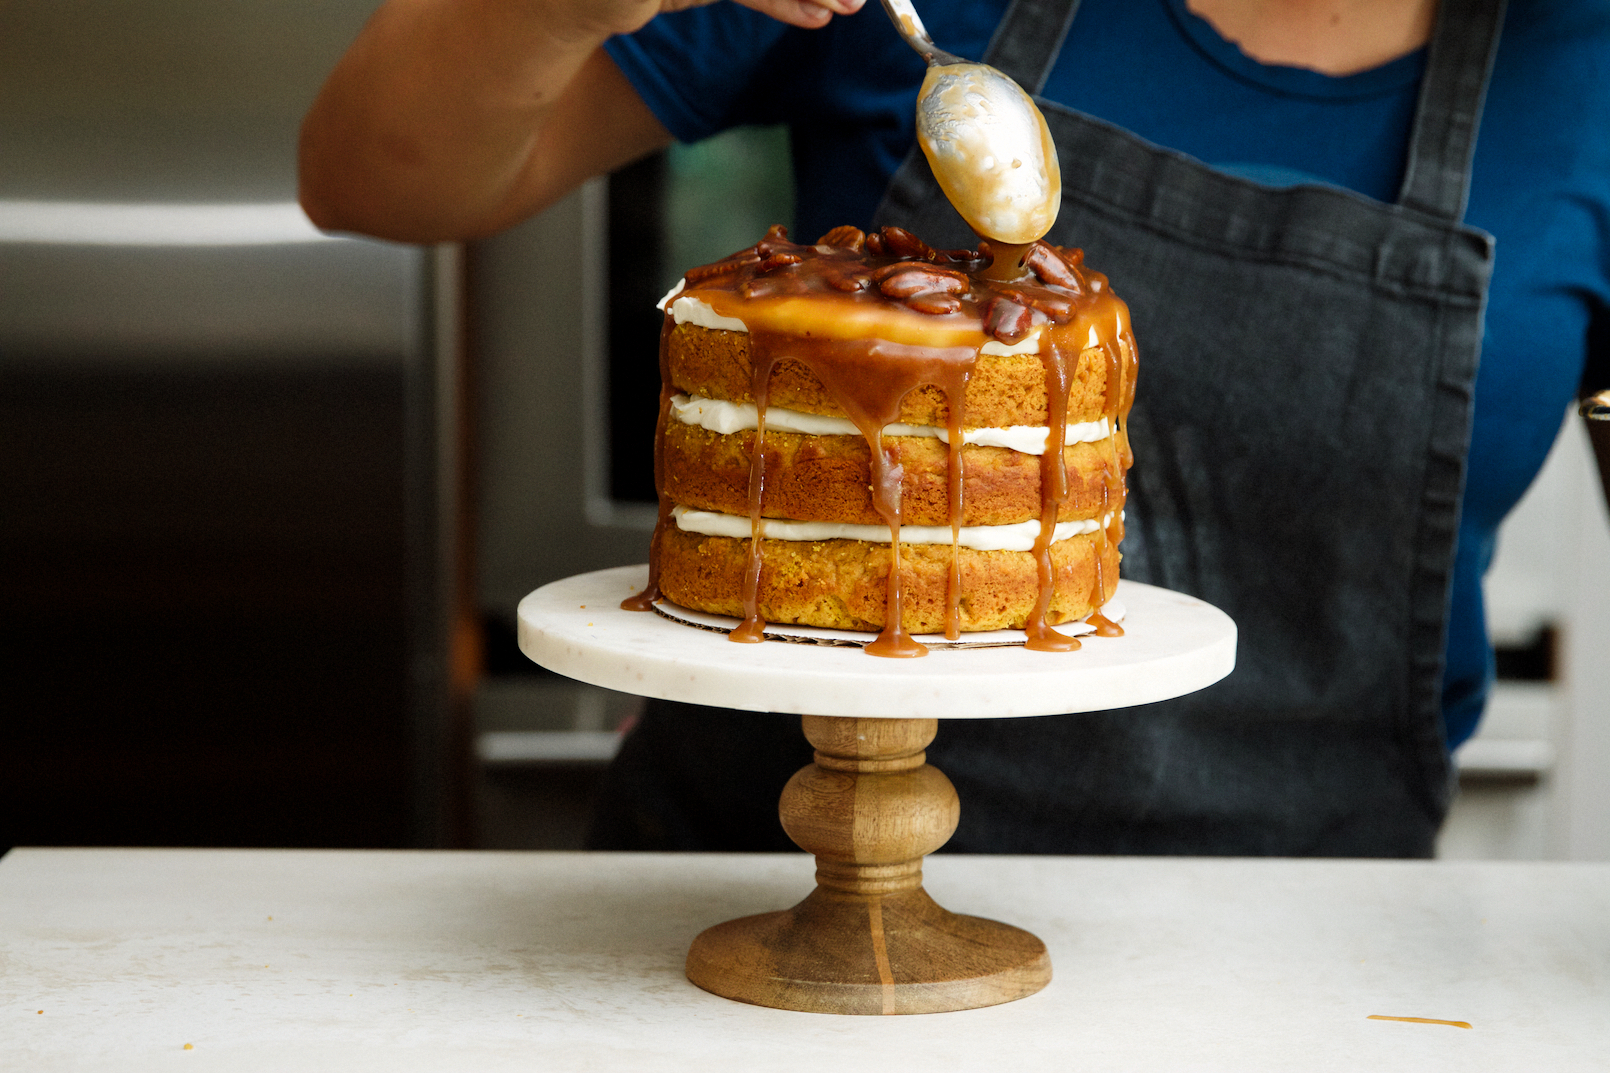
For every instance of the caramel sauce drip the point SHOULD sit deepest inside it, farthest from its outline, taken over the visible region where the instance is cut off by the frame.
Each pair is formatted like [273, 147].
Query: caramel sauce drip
[1120, 394]
[955, 394]
[644, 601]
[874, 316]
[869, 379]
[762, 360]
[1059, 370]
[1006, 261]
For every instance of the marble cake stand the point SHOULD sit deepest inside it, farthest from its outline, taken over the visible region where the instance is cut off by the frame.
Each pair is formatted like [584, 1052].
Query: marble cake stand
[869, 939]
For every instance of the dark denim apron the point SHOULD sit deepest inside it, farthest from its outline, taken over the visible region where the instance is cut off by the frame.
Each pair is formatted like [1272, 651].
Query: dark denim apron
[1308, 357]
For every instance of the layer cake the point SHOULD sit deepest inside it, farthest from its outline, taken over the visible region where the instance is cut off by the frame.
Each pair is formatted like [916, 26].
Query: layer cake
[867, 400]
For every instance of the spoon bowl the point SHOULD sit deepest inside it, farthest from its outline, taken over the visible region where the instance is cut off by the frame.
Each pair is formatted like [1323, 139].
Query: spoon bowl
[988, 144]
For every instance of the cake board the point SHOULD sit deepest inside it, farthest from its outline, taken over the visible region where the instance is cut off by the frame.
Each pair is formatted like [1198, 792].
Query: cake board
[869, 939]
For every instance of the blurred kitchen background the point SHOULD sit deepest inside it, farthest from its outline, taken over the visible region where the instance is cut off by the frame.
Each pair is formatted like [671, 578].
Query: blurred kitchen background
[268, 498]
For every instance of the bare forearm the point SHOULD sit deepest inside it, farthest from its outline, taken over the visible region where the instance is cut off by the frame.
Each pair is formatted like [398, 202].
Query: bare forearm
[431, 124]
[453, 119]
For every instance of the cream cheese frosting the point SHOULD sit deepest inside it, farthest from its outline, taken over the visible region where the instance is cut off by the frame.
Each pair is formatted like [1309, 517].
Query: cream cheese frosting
[725, 418]
[1019, 536]
[690, 310]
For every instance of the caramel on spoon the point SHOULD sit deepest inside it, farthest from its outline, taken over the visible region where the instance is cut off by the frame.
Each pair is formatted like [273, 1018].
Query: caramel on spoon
[986, 141]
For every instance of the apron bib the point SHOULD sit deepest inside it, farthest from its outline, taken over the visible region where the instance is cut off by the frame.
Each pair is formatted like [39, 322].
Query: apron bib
[1308, 358]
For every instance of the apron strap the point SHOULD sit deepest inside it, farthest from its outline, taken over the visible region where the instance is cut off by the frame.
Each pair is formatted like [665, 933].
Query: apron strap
[1028, 39]
[1436, 179]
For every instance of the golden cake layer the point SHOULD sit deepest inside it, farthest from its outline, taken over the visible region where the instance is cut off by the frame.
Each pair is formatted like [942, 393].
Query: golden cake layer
[843, 584]
[1004, 390]
[826, 478]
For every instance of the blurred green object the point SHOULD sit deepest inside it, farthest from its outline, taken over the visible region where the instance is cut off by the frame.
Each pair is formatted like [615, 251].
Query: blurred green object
[722, 194]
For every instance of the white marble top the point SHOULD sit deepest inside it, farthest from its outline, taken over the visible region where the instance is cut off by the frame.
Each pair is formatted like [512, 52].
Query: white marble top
[400, 962]
[1173, 644]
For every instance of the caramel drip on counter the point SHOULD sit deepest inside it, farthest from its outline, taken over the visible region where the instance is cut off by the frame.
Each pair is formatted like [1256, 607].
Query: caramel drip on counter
[840, 308]
[1418, 1020]
[644, 601]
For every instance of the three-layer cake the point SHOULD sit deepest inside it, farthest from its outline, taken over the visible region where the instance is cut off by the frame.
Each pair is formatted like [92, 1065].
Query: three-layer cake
[919, 407]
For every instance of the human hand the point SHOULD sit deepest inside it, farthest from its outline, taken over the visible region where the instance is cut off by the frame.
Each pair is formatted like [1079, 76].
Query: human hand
[624, 17]
[807, 13]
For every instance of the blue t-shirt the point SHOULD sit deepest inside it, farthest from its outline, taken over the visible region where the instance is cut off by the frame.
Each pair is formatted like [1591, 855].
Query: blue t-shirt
[1541, 181]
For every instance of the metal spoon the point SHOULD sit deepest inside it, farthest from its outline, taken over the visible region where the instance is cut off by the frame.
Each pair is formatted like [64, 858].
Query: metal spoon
[1596, 407]
[985, 139]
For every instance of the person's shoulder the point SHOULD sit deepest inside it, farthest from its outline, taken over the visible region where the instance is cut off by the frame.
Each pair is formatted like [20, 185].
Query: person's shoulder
[1540, 30]
[1553, 67]
[712, 36]
[694, 68]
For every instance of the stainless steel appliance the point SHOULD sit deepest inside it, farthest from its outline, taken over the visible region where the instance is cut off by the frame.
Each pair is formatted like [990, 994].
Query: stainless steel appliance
[231, 456]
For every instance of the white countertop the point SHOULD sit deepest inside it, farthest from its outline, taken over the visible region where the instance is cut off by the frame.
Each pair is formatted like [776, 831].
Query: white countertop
[397, 961]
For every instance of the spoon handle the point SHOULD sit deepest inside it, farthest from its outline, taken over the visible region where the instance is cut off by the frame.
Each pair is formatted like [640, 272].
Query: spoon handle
[909, 25]
[1596, 407]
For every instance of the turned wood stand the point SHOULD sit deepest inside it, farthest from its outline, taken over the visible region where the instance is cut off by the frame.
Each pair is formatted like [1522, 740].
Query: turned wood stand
[869, 939]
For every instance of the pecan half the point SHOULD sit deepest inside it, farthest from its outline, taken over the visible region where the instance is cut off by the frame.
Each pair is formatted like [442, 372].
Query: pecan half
[902, 243]
[769, 247]
[721, 268]
[846, 237]
[1047, 263]
[919, 279]
[934, 303]
[778, 260]
[1048, 302]
[965, 260]
[764, 288]
[849, 281]
[1006, 320]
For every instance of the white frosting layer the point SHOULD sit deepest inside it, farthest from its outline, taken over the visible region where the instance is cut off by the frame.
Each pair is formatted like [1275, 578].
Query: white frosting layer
[1018, 537]
[718, 415]
[690, 310]
[687, 310]
[1029, 344]
[672, 293]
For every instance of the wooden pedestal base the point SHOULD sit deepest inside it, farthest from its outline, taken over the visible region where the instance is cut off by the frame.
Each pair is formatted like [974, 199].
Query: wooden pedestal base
[869, 939]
